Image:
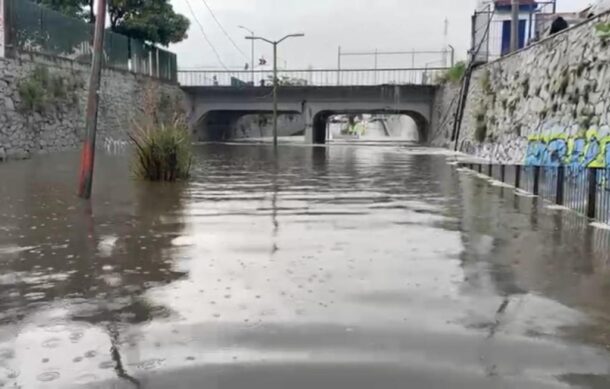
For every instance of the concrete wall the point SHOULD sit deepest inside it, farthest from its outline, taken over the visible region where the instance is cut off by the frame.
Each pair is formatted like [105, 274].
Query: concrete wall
[261, 125]
[443, 114]
[546, 104]
[60, 124]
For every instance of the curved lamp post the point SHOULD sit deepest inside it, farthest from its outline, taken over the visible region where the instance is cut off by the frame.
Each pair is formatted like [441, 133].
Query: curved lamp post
[275, 80]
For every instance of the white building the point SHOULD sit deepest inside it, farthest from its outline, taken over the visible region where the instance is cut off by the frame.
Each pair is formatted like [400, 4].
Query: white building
[497, 42]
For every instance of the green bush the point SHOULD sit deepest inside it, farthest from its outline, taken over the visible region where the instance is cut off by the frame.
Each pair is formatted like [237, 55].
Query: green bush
[40, 90]
[454, 74]
[33, 95]
[163, 152]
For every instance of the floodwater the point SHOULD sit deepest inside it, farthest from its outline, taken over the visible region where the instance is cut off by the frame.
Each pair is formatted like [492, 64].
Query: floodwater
[340, 267]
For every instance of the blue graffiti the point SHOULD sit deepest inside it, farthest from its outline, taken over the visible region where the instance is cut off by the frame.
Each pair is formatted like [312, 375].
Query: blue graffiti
[577, 151]
[536, 150]
[556, 152]
[591, 152]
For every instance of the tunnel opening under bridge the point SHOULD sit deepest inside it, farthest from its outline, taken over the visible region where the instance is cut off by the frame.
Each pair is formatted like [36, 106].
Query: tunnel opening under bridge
[373, 125]
[227, 125]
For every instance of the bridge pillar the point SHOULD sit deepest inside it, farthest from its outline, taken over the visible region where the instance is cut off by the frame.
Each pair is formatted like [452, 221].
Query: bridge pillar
[308, 116]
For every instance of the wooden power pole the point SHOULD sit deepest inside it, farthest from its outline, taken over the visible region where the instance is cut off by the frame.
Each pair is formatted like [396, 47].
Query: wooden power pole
[88, 151]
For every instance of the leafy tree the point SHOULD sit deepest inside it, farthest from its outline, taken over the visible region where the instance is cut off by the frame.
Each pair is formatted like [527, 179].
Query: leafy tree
[74, 8]
[148, 20]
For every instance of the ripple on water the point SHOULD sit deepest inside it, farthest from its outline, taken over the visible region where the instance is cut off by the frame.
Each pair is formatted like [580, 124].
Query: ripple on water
[106, 365]
[86, 379]
[51, 343]
[48, 376]
[149, 364]
[90, 354]
[6, 353]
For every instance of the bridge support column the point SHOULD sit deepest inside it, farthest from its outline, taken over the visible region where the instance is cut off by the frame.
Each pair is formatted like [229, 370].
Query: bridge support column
[309, 117]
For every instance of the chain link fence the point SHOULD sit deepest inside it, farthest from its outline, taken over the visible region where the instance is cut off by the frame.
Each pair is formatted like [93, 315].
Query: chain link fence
[35, 29]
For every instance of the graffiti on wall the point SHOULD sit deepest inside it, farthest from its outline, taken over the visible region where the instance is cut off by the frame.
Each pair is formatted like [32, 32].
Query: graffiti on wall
[586, 149]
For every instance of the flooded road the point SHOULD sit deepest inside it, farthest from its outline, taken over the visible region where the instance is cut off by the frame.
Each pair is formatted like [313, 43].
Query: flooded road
[341, 267]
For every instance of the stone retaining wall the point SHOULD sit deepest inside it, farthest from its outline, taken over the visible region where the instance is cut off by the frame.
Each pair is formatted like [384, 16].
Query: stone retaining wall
[58, 121]
[548, 103]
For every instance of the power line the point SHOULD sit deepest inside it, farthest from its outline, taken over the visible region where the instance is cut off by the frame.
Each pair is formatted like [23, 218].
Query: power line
[224, 31]
[205, 36]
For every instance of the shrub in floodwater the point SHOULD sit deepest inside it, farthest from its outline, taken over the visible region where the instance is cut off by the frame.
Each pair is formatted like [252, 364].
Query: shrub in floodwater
[163, 151]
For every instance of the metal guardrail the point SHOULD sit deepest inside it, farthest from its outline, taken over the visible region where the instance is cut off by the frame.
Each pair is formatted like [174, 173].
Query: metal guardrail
[585, 190]
[312, 77]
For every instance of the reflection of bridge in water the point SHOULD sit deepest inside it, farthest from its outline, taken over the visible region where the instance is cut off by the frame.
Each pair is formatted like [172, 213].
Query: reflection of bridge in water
[219, 99]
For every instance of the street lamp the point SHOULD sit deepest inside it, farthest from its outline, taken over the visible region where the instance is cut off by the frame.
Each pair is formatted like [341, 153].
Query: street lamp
[252, 62]
[275, 80]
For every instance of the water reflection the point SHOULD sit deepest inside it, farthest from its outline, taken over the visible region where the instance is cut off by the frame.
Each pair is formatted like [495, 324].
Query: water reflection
[366, 266]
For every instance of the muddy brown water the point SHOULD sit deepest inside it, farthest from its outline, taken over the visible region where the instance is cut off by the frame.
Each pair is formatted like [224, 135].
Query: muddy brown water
[339, 267]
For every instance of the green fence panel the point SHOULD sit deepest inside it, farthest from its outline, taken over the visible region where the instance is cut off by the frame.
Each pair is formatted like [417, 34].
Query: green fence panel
[116, 50]
[33, 28]
[139, 57]
[38, 29]
[167, 65]
[154, 64]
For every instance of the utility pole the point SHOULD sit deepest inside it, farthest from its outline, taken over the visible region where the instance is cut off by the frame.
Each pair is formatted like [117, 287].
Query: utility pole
[275, 79]
[88, 151]
[514, 27]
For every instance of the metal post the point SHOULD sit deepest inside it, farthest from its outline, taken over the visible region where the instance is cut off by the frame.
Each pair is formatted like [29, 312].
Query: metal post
[530, 22]
[536, 180]
[252, 59]
[157, 62]
[514, 26]
[480, 167]
[88, 151]
[503, 173]
[517, 176]
[339, 66]
[275, 86]
[413, 79]
[592, 201]
[561, 174]
[376, 59]
[490, 170]
[3, 28]
[452, 55]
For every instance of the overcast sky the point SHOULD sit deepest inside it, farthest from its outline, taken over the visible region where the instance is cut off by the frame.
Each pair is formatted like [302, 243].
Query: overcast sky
[361, 25]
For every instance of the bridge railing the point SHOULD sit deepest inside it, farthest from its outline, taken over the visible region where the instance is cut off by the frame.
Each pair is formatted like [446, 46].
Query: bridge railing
[312, 77]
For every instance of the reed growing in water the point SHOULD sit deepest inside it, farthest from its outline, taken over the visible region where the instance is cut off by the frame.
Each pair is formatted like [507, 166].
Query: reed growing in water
[163, 150]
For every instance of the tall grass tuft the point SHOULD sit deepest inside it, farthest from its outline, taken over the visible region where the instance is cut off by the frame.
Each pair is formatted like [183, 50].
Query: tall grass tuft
[163, 149]
[163, 153]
